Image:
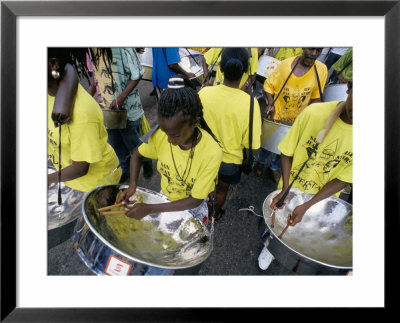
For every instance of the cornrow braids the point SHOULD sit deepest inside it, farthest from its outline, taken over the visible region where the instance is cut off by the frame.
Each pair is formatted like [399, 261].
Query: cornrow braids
[180, 96]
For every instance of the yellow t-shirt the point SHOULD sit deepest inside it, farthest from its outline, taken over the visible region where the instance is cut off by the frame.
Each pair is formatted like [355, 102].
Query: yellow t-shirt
[84, 139]
[298, 91]
[211, 56]
[227, 113]
[334, 157]
[192, 177]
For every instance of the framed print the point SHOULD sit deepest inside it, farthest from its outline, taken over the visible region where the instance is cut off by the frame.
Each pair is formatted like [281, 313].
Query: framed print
[29, 27]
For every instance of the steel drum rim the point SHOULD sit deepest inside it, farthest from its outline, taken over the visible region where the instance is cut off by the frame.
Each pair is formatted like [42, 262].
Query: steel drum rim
[109, 245]
[298, 253]
[277, 123]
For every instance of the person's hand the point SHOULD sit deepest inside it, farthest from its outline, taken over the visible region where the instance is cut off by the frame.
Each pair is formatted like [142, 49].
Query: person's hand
[117, 103]
[60, 118]
[270, 110]
[276, 199]
[297, 214]
[124, 197]
[138, 210]
[191, 75]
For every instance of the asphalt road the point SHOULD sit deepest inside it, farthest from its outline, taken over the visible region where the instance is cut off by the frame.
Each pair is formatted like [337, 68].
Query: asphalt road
[237, 235]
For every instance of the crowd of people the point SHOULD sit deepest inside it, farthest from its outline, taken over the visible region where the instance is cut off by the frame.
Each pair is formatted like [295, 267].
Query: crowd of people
[206, 131]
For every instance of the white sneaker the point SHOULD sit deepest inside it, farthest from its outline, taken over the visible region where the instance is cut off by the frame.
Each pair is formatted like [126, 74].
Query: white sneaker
[265, 258]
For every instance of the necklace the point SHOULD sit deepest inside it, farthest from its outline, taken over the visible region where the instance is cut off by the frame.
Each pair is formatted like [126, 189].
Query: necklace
[189, 162]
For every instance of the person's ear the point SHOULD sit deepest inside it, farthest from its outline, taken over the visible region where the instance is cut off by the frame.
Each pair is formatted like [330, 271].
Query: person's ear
[196, 122]
[54, 63]
[54, 66]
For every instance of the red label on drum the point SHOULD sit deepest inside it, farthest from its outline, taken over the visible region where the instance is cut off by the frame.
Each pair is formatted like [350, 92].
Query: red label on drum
[117, 267]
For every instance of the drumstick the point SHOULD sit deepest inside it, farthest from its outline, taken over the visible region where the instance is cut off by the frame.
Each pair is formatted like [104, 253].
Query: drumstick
[112, 212]
[273, 220]
[109, 207]
[284, 230]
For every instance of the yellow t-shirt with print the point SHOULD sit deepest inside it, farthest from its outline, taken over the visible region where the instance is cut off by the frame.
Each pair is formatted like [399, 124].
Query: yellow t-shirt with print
[334, 156]
[84, 139]
[211, 56]
[184, 175]
[298, 91]
[227, 113]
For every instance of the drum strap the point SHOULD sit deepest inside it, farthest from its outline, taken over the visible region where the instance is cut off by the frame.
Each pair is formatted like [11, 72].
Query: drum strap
[59, 165]
[319, 84]
[283, 86]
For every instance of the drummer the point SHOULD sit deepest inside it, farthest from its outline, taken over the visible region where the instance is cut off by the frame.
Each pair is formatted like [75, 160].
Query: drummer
[87, 160]
[213, 55]
[301, 89]
[188, 155]
[330, 168]
[226, 110]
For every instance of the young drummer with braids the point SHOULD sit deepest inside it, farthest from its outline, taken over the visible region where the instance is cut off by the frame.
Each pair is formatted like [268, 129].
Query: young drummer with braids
[227, 111]
[187, 153]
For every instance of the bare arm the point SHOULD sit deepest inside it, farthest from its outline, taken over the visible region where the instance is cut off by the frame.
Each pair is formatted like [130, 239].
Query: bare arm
[177, 68]
[124, 94]
[270, 109]
[140, 210]
[286, 165]
[329, 189]
[75, 170]
[65, 97]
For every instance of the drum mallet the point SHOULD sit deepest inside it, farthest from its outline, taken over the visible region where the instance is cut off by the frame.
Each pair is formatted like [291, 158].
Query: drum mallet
[320, 137]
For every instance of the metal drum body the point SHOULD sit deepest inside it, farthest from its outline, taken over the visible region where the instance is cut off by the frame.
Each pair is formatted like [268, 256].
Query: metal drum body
[335, 92]
[187, 62]
[272, 134]
[115, 118]
[266, 65]
[119, 245]
[61, 219]
[321, 244]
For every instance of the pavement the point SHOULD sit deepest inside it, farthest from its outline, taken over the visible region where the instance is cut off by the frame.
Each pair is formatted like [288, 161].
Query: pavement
[237, 235]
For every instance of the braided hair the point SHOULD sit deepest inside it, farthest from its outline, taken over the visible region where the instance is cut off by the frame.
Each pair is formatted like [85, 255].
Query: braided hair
[76, 56]
[234, 62]
[181, 96]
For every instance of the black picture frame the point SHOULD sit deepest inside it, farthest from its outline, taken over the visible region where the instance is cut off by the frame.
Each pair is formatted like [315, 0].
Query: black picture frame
[10, 10]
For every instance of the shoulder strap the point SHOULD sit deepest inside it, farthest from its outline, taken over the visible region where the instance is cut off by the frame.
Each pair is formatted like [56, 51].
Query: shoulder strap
[280, 91]
[251, 120]
[319, 83]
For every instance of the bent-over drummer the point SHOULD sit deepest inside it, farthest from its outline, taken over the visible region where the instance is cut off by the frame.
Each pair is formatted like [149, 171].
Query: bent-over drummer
[330, 167]
[188, 155]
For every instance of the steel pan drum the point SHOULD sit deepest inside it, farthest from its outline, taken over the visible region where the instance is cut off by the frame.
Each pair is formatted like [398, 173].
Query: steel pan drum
[115, 118]
[335, 92]
[272, 134]
[173, 240]
[321, 242]
[61, 219]
[266, 65]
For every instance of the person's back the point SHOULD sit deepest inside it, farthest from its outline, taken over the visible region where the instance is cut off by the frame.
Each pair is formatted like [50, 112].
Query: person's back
[227, 112]
[162, 57]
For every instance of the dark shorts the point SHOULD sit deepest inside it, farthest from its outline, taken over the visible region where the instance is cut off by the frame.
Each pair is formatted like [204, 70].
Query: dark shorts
[230, 173]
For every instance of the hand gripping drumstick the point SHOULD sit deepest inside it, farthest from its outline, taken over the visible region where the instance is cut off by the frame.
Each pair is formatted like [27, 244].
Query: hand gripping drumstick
[320, 137]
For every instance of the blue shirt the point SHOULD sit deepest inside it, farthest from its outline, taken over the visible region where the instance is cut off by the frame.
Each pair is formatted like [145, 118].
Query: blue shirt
[162, 57]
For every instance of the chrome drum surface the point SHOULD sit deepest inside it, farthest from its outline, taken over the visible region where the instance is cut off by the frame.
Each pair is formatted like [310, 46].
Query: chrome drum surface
[323, 237]
[172, 240]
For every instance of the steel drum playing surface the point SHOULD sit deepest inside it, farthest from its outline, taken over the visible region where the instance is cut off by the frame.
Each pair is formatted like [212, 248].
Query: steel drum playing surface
[168, 239]
[324, 234]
